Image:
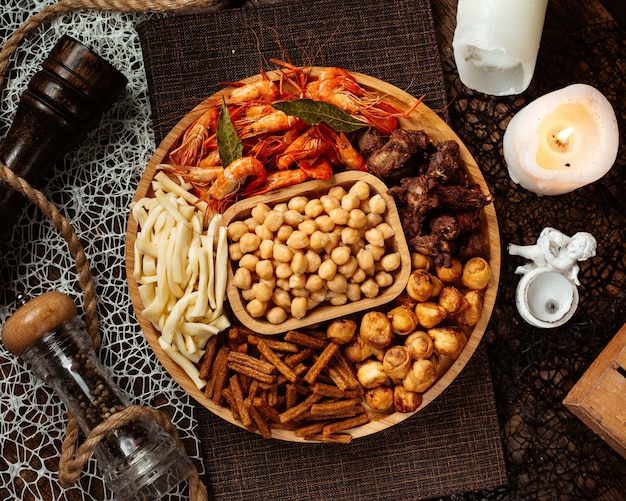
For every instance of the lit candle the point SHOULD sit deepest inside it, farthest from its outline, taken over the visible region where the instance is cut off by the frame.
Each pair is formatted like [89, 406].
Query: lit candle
[562, 141]
[496, 43]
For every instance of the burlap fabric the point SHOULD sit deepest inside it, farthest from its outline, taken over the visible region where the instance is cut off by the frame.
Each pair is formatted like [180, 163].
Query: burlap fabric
[453, 445]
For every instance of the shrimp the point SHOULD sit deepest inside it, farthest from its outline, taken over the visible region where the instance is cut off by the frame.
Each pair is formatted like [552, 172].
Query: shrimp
[191, 148]
[262, 89]
[310, 144]
[274, 121]
[319, 169]
[233, 177]
[348, 156]
[202, 174]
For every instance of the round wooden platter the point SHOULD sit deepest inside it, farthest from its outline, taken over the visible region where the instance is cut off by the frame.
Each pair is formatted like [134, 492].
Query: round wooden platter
[423, 118]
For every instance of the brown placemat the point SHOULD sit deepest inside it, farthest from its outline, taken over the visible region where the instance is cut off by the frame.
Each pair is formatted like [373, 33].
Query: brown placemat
[453, 445]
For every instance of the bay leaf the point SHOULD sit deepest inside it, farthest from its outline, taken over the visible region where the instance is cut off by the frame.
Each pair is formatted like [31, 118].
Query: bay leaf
[229, 145]
[313, 112]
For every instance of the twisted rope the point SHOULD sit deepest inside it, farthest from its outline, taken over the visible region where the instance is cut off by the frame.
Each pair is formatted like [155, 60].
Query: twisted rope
[72, 459]
[75, 247]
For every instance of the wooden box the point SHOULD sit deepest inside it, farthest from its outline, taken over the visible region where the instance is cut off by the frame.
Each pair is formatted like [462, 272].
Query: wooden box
[599, 397]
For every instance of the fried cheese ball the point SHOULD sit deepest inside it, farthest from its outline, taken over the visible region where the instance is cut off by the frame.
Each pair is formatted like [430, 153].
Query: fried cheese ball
[476, 273]
[406, 401]
[448, 341]
[420, 285]
[403, 320]
[397, 362]
[429, 314]
[419, 345]
[375, 329]
[421, 376]
[452, 274]
[380, 398]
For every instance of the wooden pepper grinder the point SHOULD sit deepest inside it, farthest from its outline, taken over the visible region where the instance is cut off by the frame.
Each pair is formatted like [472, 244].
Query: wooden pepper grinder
[138, 460]
[63, 102]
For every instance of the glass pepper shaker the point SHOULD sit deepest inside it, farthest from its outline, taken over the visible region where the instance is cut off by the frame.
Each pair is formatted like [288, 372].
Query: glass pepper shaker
[137, 461]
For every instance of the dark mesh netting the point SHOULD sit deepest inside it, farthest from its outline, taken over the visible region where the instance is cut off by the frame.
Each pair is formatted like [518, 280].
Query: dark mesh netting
[550, 454]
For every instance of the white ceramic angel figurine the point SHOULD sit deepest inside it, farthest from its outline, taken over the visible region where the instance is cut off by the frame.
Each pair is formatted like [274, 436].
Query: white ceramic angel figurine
[557, 251]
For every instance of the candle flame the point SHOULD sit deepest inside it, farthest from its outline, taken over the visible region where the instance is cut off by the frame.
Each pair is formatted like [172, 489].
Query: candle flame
[564, 135]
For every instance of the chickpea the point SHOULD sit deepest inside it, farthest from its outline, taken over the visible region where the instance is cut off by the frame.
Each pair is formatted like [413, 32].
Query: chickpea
[274, 219]
[298, 240]
[281, 207]
[284, 232]
[383, 279]
[281, 298]
[293, 218]
[350, 266]
[263, 232]
[251, 223]
[282, 253]
[357, 219]
[264, 269]
[314, 283]
[300, 292]
[370, 288]
[283, 283]
[350, 202]
[361, 189]
[375, 237]
[391, 262]
[249, 242]
[248, 261]
[340, 255]
[327, 269]
[353, 292]
[311, 303]
[313, 260]
[283, 270]
[266, 249]
[276, 315]
[333, 241]
[262, 292]
[234, 252]
[256, 308]
[378, 204]
[318, 239]
[299, 263]
[336, 299]
[339, 216]
[270, 282]
[318, 296]
[298, 307]
[313, 208]
[337, 192]
[373, 220]
[242, 279]
[236, 229]
[308, 226]
[297, 281]
[325, 223]
[329, 203]
[337, 284]
[298, 203]
[365, 259]
[358, 276]
[259, 212]
[365, 206]
[350, 236]
[247, 294]
[377, 252]
[386, 229]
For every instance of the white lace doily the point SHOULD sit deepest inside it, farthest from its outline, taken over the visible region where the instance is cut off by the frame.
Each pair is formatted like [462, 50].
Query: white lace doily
[92, 188]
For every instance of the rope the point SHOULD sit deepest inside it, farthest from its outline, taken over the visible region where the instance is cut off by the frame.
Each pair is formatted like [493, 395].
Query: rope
[76, 249]
[73, 460]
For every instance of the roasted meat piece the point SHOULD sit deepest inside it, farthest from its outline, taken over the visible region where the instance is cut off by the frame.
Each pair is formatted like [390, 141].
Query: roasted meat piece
[445, 165]
[459, 198]
[391, 161]
[433, 246]
[369, 141]
[452, 226]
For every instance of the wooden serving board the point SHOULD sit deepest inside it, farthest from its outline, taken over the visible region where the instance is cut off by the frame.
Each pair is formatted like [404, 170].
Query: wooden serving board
[423, 118]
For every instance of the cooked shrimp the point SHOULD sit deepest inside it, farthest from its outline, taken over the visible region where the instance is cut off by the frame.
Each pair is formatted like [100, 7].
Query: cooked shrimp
[320, 169]
[351, 158]
[235, 175]
[191, 148]
[309, 145]
[262, 89]
[274, 121]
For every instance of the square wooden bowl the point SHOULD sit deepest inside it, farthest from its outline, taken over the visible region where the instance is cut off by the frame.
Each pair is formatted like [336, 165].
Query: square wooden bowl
[324, 312]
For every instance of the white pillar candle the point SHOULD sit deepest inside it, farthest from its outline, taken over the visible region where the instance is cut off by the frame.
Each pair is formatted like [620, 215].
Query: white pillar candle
[496, 43]
[562, 141]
